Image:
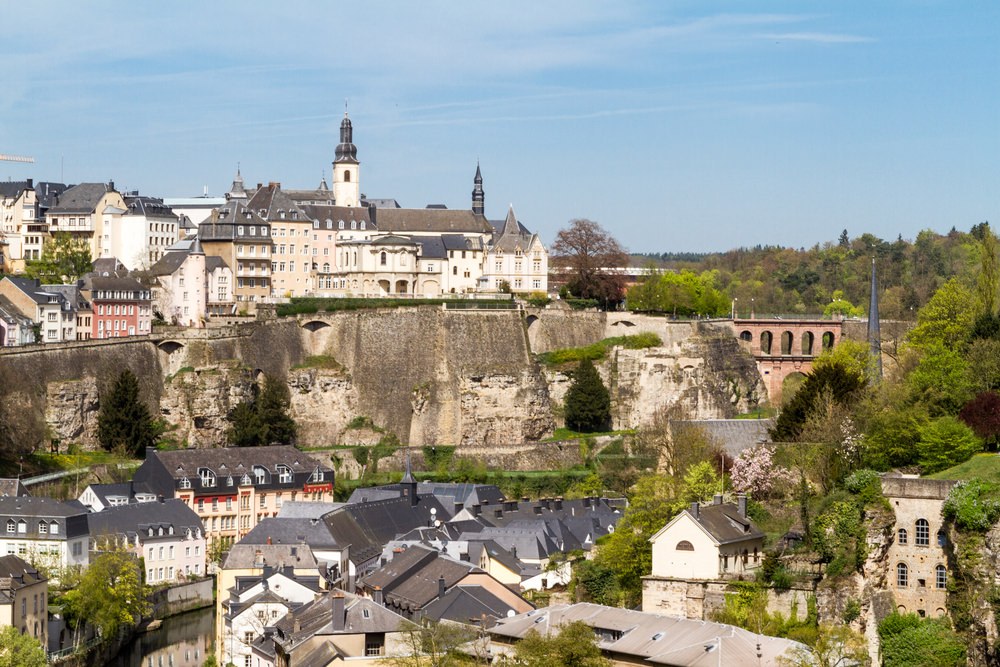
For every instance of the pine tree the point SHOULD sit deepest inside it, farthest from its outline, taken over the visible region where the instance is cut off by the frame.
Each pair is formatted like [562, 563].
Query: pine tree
[124, 421]
[263, 419]
[588, 404]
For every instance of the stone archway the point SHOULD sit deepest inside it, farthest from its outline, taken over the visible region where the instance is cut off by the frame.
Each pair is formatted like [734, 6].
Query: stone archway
[790, 385]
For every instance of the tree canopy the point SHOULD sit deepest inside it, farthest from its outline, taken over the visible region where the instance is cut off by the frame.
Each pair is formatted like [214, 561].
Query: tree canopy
[17, 650]
[588, 403]
[585, 251]
[110, 595]
[64, 260]
[124, 421]
[263, 417]
[574, 646]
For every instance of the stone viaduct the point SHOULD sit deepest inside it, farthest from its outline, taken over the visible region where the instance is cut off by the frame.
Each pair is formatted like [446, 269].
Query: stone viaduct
[783, 348]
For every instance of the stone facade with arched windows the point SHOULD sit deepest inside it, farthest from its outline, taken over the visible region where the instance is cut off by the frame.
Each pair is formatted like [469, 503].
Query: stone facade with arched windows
[917, 558]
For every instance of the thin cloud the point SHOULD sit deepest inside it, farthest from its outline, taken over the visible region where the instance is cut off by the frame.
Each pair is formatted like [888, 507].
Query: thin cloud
[816, 37]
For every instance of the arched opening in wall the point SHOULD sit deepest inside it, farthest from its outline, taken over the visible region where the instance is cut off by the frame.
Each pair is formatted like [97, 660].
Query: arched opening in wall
[171, 354]
[430, 288]
[828, 340]
[624, 323]
[807, 343]
[170, 346]
[746, 336]
[383, 287]
[786, 342]
[401, 287]
[790, 385]
[766, 340]
[684, 545]
[315, 325]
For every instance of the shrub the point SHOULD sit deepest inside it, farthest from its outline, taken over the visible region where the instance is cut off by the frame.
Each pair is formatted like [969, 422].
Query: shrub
[538, 299]
[972, 506]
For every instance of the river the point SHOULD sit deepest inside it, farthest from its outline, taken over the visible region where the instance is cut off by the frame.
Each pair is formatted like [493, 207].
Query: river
[181, 641]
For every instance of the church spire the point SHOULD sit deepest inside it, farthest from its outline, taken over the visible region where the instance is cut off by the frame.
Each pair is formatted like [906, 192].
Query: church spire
[236, 190]
[478, 195]
[346, 150]
[874, 333]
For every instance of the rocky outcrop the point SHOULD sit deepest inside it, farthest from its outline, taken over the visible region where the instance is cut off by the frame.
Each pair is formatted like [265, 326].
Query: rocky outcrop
[196, 403]
[71, 409]
[323, 402]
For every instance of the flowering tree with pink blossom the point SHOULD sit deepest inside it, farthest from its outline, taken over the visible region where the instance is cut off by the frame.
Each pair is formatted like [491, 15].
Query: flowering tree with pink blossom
[755, 472]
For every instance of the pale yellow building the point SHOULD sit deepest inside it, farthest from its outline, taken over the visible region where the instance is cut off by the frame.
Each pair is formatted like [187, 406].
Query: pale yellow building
[24, 594]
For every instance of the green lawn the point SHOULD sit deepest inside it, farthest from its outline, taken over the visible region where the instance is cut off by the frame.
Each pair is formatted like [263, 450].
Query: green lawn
[981, 466]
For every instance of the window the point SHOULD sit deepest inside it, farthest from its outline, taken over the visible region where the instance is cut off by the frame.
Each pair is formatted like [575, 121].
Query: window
[185, 483]
[260, 474]
[902, 536]
[923, 538]
[11, 526]
[53, 528]
[902, 575]
[382, 259]
[22, 526]
[207, 477]
[942, 539]
[317, 476]
[684, 545]
[940, 577]
[43, 527]
[284, 474]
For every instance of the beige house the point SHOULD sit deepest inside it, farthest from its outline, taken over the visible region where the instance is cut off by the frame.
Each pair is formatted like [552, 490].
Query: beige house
[242, 239]
[291, 235]
[918, 564]
[708, 542]
[191, 286]
[516, 257]
[88, 211]
[52, 314]
[24, 596]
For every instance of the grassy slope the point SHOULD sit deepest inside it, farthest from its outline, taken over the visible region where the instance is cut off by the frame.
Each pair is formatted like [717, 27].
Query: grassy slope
[982, 466]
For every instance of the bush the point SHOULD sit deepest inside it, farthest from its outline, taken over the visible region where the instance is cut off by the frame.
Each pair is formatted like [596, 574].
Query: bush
[908, 640]
[538, 299]
[599, 350]
[946, 442]
[972, 505]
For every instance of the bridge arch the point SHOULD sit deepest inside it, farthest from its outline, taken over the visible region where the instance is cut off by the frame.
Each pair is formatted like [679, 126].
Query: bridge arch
[171, 356]
[786, 342]
[766, 341]
[808, 340]
[829, 340]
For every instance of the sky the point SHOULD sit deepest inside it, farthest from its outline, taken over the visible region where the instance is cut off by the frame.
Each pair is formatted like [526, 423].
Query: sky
[677, 126]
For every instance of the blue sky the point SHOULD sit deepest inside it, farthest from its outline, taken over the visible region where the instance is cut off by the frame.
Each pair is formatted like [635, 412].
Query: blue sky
[678, 126]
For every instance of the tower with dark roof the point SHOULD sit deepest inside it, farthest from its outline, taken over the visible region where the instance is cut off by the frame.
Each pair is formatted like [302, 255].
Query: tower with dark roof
[478, 195]
[346, 189]
[236, 190]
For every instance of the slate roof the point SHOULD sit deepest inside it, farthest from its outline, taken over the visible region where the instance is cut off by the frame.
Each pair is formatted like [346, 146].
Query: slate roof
[383, 203]
[12, 188]
[367, 526]
[36, 507]
[468, 604]
[169, 263]
[12, 315]
[33, 289]
[82, 198]
[441, 221]
[10, 486]
[411, 580]
[431, 247]
[653, 639]
[151, 207]
[141, 517]
[234, 461]
[361, 616]
[299, 509]
[281, 530]
[724, 523]
[247, 556]
[320, 214]
[16, 573]
[130, 286]
[71, 294]
[511, 235]
[273, 201]
[122, 489]
[107, 267]
[224, 222]
[733, 435]
[453, 493]
[47, 192]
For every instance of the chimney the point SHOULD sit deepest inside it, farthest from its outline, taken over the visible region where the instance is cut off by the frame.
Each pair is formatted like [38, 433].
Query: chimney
[717, 499]
[525, 499]
[586, 501]
[268, 571]
[538, 509]
[160, 498]
[269, 540]
[441, 587]
[377, 595]
[741, 504]
[694, 509]
[31, 183]
[547, 503]
[513, 552]
[476, 509]
[337, 602]
[464, 556]
[498, 513]
[558, 504]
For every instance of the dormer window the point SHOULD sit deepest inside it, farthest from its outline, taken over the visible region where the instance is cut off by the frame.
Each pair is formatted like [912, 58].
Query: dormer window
[340, 224]
[284, 474]
[245, 480]
[260, 474]
[239, 230]
[11, 526]
[207, 477]
[354, 224]
[185, 483]
[362, 224]
[318, 475]
[229, 481]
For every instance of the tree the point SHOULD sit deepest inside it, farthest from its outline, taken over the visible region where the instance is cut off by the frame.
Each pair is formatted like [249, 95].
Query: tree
[701, 482]
[435, 644]
[584, 251]
[834, 377]
[262, 418]
[755, 472]
[17, 650]
[835, 646]
[588, 404]
[124, 422]
[110, 594]
[574, 646]
[982, 415]
[840, 306]
[947, 318]
[64, 260]
[946, 442]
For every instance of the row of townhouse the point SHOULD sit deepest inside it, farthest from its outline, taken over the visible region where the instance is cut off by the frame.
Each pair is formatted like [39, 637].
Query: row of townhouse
[135, 229]
[97, 306]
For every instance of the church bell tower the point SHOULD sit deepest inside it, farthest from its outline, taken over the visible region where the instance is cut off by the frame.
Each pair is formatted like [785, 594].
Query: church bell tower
[478, 195]
[346, 188]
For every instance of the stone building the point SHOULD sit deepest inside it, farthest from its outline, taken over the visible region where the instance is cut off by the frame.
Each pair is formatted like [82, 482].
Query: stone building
[918, 564]
[24, 596]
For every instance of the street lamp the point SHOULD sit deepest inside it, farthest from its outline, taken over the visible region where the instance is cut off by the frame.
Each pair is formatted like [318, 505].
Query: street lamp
[751, 308]
[735, 299]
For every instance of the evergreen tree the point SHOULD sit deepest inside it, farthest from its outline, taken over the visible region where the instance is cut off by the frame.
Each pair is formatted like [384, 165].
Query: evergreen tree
[124, 421]
[263, 419]
[588, 404]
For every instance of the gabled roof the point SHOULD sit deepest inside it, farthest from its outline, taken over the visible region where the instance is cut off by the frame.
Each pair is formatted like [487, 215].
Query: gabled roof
[150, 207]
[82, 198]
[733, 435]
[246, 556]
[16, 573]
[411, 580]
[224, 222]
[10, 486]
[367, 526]
[470, 604]
[13, 188]
[722, 522]
[441, 221]
[647, 638]
[140, 518]
[32, 288]
[275, 206]
[37, 507]
[320, 214]
[361, 616]
[282, 530]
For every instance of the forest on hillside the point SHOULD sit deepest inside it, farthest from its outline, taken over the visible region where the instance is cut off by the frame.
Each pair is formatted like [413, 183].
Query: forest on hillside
[830, 278]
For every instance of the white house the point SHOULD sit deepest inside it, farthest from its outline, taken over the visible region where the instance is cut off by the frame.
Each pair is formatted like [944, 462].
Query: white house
[708, 542]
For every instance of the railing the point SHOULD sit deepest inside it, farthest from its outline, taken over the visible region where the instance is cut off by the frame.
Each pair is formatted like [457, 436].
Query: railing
[28, 481]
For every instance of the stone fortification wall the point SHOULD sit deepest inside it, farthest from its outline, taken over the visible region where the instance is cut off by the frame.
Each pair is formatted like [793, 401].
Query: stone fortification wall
[559, 328]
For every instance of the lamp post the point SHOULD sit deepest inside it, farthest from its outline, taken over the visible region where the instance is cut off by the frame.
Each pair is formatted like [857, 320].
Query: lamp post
[751, 308]
[735, 299]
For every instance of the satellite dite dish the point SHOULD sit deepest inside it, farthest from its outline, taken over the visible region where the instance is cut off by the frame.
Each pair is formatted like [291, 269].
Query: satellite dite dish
[511, 613]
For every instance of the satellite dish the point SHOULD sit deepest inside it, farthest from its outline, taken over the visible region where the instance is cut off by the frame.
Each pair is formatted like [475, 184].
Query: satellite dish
[510, 613]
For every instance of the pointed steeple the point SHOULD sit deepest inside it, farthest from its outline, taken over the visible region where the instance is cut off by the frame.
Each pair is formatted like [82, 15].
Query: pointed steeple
[236, 190]
[322, 184]
[874, 333]
[408, 483]
[510, 225]
[478, 195]
[196, 248]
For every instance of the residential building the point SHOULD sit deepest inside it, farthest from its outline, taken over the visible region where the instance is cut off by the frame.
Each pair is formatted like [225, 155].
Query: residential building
[99, 497]
[418, 576]
[335, 628]
[15, 328]
[51, 314]
[918, 562]
[121, 306]
[190, 286]
[254, 603]
[22, 221]
[516, 258]
[24, 598]
[167, 535]
[708, 542]
[242, 239]
[291, 236]
[88, 212]
[45, 532]
[330, 226]
[11, 486]
[73, 295]
[232, 489]
[628, 637]
[141, 235]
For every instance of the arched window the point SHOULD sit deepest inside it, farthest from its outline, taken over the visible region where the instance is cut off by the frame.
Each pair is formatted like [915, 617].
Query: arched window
[923, 538]
[902, 536]
[940, 577]
[902, 575]
[326, 267]
[828, 340]
[340, 224]
[362, 224]
[684, 545]
[807, 344]
[354, 224]
[746, 336]
[382, 258]
[347, 176]
[786, 342]
[11, 526]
